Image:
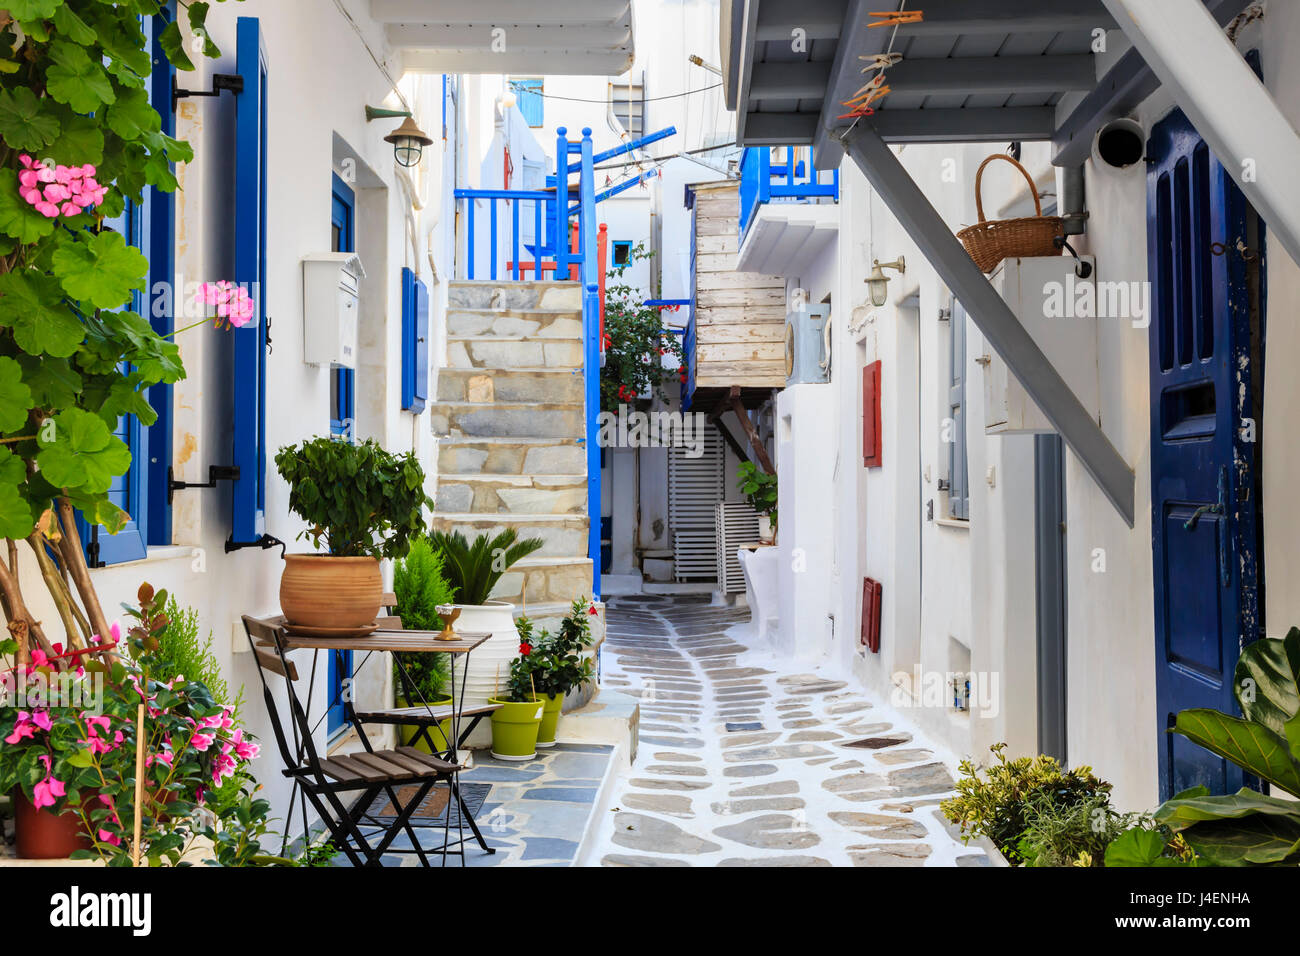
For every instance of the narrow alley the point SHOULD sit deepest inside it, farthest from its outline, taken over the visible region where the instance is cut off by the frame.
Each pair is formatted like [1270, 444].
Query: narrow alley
[745, 761]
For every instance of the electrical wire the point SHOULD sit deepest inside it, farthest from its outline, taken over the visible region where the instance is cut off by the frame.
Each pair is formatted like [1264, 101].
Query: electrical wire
[652, 99]
[383, 68]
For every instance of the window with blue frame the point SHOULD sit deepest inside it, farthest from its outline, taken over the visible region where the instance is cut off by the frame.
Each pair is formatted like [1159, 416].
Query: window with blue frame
[149, 226]
[622, 253]
[415, 342]
[343, 205]
[528, 97]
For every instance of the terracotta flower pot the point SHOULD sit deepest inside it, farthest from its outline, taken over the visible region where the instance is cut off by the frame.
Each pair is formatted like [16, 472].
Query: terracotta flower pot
[318, 590]
[42, 835]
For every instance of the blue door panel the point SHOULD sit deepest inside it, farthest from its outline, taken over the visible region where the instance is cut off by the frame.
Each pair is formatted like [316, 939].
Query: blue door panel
[1203, 476]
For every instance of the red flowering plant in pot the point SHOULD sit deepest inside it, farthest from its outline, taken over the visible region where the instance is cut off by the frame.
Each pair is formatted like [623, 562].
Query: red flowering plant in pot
[636, 343]
[75, 736]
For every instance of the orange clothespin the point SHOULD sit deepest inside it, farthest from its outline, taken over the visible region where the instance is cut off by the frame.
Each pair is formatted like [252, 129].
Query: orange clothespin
[874, 84]
[866, 99]
[857, 113]
[892, 18]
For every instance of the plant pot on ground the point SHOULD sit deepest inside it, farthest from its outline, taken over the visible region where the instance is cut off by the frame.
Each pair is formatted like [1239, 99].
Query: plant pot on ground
[518, 717]
[46, 835]
[557, 664]
[473, 570]
[362, 503]
[759, 488]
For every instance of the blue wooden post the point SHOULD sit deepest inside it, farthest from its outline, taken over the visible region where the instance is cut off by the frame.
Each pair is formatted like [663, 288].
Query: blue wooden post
[470, 203]
[591, 350]
[560, 205]
[492, 238]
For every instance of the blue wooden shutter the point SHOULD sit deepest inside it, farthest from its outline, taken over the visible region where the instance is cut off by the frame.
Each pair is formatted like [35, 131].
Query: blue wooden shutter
[415, 342]
[528, 94]
[249, 386]
[958, 478]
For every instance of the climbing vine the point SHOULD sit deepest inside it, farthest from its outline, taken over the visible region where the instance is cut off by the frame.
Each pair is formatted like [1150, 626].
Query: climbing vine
[79, 140]
[635, 342]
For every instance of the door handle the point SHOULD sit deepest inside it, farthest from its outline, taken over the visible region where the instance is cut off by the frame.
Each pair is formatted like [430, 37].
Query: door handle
[1218, 508]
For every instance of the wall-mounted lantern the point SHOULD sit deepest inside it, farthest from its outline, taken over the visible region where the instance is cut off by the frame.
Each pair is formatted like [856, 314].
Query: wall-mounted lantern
[878, 282]
[408, 139]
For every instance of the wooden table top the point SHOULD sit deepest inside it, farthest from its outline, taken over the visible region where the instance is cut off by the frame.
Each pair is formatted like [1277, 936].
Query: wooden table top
[383, 639]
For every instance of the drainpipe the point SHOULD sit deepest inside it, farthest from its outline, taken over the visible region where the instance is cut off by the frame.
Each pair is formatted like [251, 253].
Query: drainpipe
[1226, 102]
[1074, 208]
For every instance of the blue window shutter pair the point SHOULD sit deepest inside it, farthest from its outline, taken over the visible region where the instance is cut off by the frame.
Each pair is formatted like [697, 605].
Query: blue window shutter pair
[528, 94]
[415, 342]
[958, 472]
[249, 385]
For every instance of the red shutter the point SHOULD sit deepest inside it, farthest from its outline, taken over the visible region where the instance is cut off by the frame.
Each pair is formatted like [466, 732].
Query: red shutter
[872, 440]
[871, 591]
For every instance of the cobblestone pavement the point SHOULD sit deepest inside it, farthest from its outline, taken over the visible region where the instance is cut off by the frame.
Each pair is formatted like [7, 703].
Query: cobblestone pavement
[744, 761]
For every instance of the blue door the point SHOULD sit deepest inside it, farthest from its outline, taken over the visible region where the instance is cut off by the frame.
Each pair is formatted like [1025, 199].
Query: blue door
[1205, 256]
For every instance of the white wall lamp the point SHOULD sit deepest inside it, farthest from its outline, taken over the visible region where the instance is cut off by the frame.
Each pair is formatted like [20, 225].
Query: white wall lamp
[878, 282]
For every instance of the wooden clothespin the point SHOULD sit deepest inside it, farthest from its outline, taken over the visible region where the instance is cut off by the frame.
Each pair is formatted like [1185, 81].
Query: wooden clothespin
[875, 84]
[881, 61]
[892, 18]
[857, 113]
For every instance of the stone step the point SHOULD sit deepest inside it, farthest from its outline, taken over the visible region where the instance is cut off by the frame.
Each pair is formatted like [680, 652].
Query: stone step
[562, 535]
[547, 385]
[506, 352]
[511, 456]
[512, 494]
[545, 580]
[515, 323]
[508, 420]
[500, 294]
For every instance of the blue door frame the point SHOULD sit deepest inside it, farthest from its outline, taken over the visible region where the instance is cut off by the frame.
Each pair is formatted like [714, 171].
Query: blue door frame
[1206, 359]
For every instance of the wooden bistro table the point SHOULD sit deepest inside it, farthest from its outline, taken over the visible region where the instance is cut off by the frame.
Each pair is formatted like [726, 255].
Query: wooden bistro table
[395, 639]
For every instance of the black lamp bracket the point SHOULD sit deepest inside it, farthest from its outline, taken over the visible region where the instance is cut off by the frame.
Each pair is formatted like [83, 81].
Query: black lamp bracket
[221, 83]
[215, 473]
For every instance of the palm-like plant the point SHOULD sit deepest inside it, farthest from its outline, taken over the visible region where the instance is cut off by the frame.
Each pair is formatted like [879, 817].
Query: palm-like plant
[473, 570]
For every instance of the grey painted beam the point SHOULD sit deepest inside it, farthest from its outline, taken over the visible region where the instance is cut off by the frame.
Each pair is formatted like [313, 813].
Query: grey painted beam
[748, 51]
[969, 17]
[732, 16]
[966, 125]
[846, 76]
[789, 81]
[993, 316]
[1118, 93]
[500, 12]
[994, 74]
[778, 129]
[818, 19]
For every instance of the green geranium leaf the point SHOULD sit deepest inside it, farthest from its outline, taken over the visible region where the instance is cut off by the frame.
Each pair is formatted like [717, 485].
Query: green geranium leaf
[72, 26]
[15, 396]
[124, 42]
[32, 305]
[102, 272]
[198, 12]
[18, 218]
[74, 78]
[83, 454]
[12, 469]
[80, 142]
[173, 45]
[23, 10]
[178, 150]
[16, 519]
[53, 381]
[131, 116]
[23, 123]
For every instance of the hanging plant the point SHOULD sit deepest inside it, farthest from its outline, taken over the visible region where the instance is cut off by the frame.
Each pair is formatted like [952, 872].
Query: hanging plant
[635, 342]
[79, 139]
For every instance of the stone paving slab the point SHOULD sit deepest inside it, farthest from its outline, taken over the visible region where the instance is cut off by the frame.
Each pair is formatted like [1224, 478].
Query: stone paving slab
[747, 762]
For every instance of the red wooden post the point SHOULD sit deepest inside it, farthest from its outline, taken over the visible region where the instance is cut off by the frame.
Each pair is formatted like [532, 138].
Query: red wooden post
[573, 246]
[602, 237]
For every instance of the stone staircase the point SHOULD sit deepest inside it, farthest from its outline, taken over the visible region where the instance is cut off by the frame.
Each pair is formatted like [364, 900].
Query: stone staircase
[510, 401]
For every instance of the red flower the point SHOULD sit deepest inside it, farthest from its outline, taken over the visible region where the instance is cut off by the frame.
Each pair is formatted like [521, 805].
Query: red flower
[592, 611]
[525, 649]
[683, 378]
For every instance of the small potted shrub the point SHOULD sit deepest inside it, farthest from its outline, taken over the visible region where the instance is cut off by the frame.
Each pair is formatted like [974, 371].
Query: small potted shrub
[473, 570]
[760, 489]
[558, 663]
[363, 504]
[517, 720]
[420, 587]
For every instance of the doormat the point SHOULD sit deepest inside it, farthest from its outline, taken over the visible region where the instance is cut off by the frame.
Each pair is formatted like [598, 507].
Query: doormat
[431, 812]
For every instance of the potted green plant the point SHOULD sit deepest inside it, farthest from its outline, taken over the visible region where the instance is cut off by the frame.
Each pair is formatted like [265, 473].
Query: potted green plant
[518, 717]
[71, 751]
[363, 503]
[473, 570]
[760, 489]
[636, 342]
[421, 677]
[559, 665]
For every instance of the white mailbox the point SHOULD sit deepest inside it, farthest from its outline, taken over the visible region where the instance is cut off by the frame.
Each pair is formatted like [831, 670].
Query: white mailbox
[331, 285]
[1051, 303]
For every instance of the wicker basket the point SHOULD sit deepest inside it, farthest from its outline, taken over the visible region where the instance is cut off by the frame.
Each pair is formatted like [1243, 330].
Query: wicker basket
[990, 242]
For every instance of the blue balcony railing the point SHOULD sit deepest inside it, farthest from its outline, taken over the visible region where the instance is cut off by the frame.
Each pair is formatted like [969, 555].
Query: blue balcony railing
[791, 177]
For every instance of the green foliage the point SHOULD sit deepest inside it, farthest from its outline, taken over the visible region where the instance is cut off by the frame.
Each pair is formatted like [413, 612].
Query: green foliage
[759, 487]
[635, 341]
[73, 77]
[1247, 828]
[350, 494]
[473, 570]
[998, 804]
[421, 587]
[182, 653]
[1149, 846]
[554, 663]
[1070, 834]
